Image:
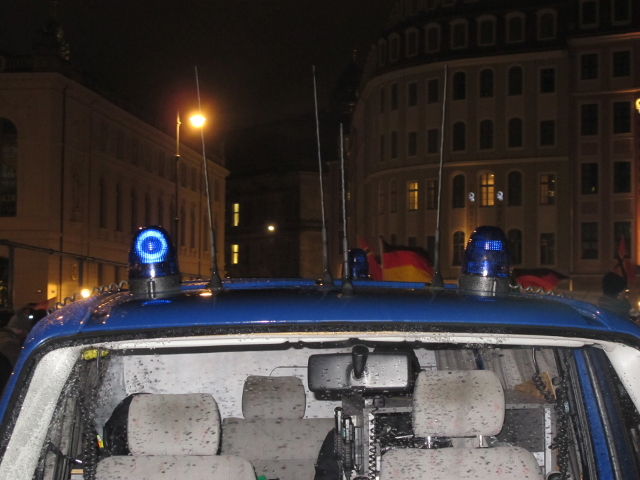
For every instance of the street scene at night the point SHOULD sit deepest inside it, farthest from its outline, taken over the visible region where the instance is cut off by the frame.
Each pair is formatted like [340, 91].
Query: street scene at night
[338, 240]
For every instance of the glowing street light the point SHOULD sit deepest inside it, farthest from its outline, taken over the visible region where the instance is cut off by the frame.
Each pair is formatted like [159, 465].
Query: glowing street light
[197, 120]
[85, 293]
[271, 228]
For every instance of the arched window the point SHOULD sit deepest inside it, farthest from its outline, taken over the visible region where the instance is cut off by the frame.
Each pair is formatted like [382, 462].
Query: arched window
[160, 212]
[8, 168]
[515, 81]
[432, 37]
[486, 135]
[382, 52]
[514, 237]
[183, 221]
[459, 86]
[411, 38]
[147, 210]
[458, 34]
[393, 196]
[458, 248]
[486, 31]
[381, 192]
[118, 208]
[192, 225]
[515, 29]
[459, 137]
[546, 25]
[458, 192]
[394, 47]
[486, 83]
[134, 210]
[514, 189]
[487, 190]
[102, 203]
[515, 133]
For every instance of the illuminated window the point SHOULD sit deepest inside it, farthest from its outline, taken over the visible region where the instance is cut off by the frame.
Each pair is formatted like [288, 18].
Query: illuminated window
[235, 254]
[236, 214]
[487, 190]
[547, 189]
[412, 195]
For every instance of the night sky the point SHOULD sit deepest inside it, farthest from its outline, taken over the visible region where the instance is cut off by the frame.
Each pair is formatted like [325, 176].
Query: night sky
[254, 57]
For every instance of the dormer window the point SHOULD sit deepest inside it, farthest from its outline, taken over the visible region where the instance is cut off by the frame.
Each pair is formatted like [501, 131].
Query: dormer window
[382, 53]
[394, 48]
[432, 40]
[411, 37]
[515, 28]
[458, 34]
[588, 13]
[486, 31]
[546, 25]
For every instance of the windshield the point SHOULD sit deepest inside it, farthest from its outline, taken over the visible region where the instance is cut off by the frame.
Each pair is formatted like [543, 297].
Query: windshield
[349, 408]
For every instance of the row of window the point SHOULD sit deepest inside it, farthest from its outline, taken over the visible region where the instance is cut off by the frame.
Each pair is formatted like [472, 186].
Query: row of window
[187, 224]
[590, 118]
[547, 251]
[621, 67]
[488, 195]
[589, 239]
[389, 50]
[589, 178]
[143, 156]
[486, 87]
[486, 133]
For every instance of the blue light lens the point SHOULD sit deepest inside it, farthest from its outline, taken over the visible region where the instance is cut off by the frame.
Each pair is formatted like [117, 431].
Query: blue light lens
[487, 253]
[152, 246]
[152, 254]
[358, 263]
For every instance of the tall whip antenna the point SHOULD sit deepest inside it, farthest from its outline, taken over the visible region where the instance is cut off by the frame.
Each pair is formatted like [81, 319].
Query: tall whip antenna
[436, 281]
[327, 278]
[215, 283]
[347, 285]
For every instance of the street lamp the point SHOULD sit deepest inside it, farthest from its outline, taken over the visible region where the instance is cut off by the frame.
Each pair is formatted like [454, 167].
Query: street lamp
[197, 121]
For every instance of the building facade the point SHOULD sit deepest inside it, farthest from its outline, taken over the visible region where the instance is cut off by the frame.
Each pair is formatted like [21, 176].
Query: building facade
[78, 175]
[533, 108]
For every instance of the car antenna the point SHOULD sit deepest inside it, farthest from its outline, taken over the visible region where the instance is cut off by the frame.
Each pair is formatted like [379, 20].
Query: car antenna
[327, 278]
[215, 283]
[347, 285]
[436, 280]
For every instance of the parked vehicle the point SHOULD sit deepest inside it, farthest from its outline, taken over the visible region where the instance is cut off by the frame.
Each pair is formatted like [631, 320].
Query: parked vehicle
[296, 379]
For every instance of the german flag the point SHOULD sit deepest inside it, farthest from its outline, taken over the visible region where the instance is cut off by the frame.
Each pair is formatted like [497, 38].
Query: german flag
[544, 278]
[404, 264]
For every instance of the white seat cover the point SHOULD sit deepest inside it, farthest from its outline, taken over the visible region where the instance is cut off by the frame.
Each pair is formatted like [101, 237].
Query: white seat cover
[174, 437]
[504, 463]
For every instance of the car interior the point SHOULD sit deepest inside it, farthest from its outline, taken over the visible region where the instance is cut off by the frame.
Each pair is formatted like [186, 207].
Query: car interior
[355, 409]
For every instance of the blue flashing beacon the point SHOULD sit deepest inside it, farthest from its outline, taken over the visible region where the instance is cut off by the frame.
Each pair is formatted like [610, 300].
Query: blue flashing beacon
[153, 263]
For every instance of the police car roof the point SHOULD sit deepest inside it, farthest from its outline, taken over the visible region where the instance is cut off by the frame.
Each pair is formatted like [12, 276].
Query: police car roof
[286, 304]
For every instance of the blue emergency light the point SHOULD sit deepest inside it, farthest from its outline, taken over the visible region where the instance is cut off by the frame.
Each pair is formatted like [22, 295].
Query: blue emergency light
[486, 264]
[358, 263]
[153, 263]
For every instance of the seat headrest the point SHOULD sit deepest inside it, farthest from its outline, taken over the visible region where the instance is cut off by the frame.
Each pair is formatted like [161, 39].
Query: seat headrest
[461, 403]
[273, 397]
[182, 424]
